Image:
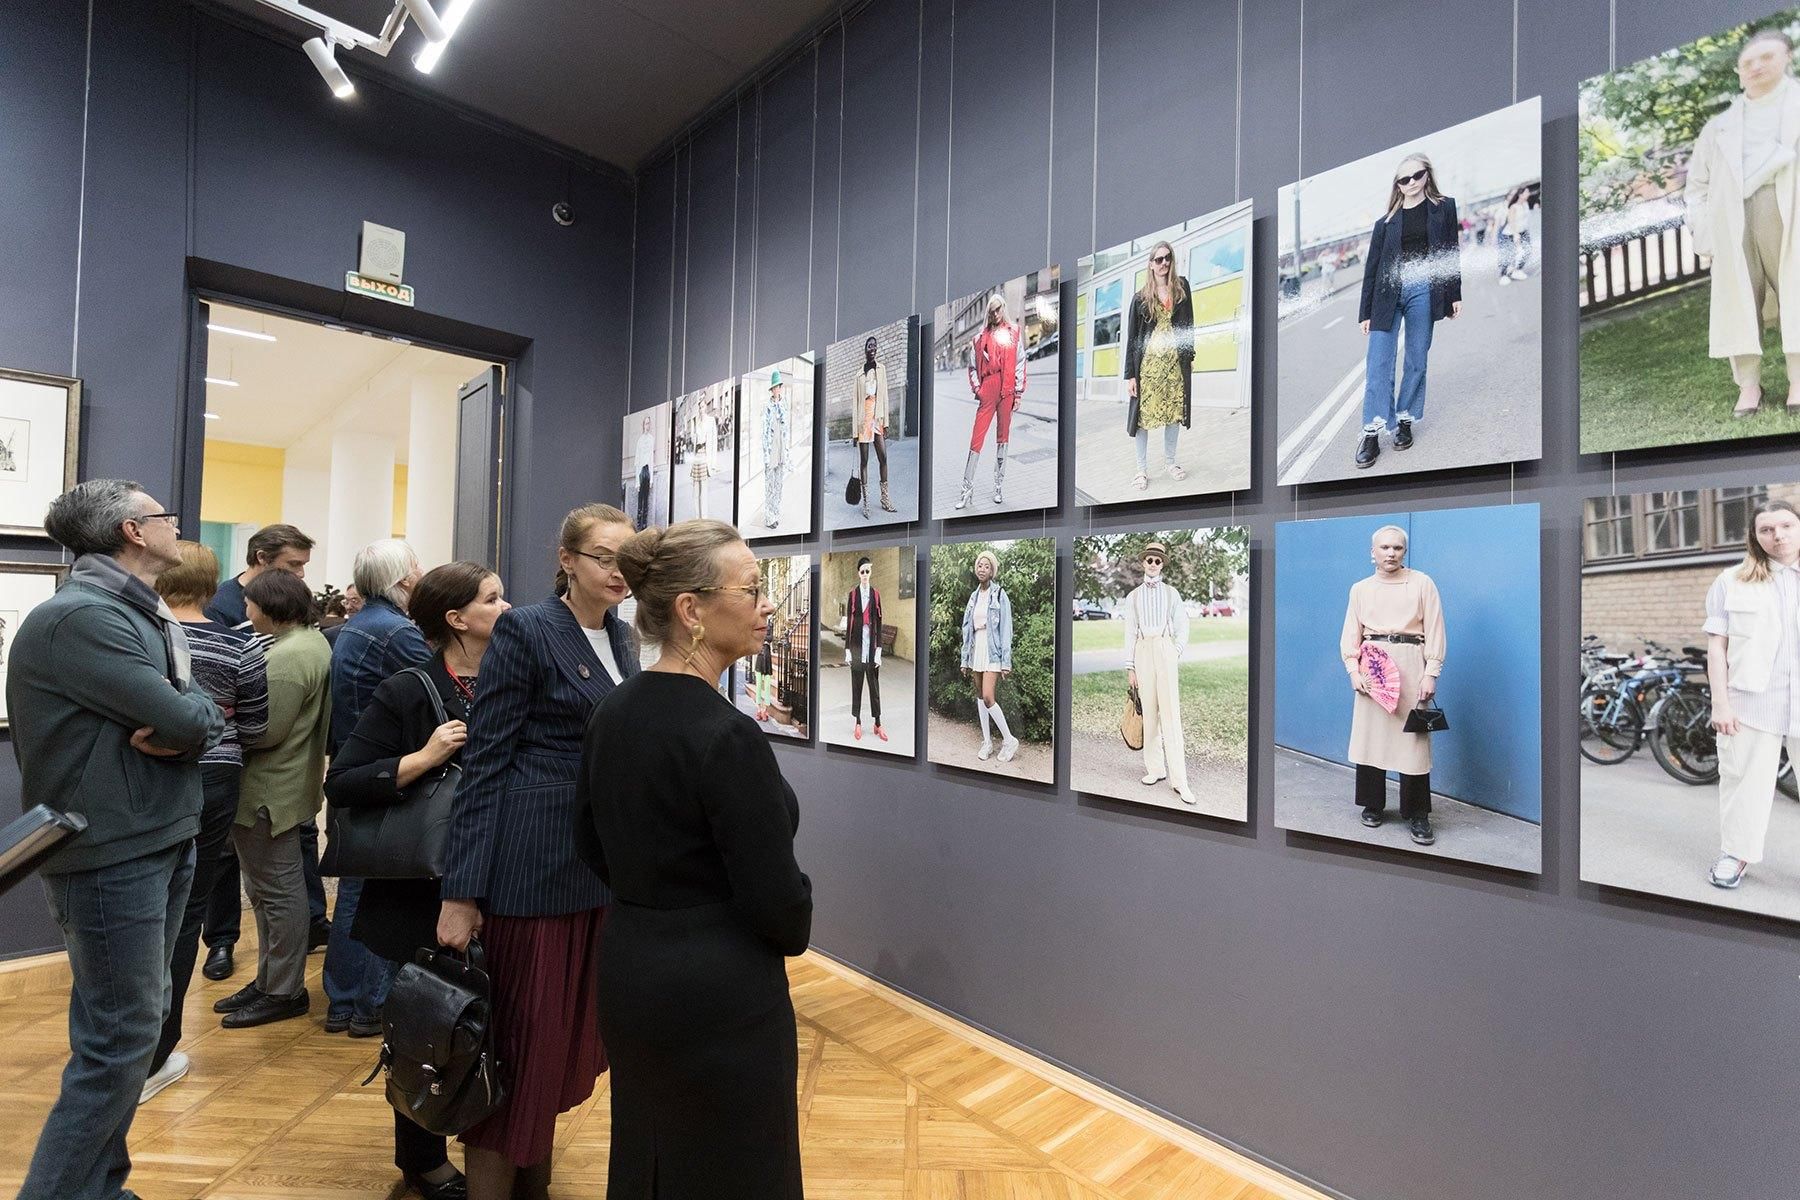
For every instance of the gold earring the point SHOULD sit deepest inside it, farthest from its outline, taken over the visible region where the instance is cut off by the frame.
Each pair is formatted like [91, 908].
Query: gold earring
[699, 634]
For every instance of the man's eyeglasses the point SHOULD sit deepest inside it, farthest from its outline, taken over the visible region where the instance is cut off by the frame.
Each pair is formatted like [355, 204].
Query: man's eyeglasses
[1153, 561]
[1415, 176]
[752, 590]
[171, 518]
[608, 562]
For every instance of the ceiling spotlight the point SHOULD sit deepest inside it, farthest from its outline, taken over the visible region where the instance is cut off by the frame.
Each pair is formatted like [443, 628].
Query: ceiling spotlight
[426, 18]
[221, 382]
[211, 416]
[325, 59]
[249, 333]
[427, 58]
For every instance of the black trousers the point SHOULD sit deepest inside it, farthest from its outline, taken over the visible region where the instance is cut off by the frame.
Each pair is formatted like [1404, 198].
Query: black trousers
[218, 809]
[857, 672]
[1415, 792]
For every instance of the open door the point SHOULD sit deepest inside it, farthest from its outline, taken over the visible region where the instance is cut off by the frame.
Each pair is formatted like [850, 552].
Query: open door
[480, 404]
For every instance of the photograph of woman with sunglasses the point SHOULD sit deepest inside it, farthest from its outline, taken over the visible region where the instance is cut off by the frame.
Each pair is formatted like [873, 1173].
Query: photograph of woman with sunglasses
[1159, 361]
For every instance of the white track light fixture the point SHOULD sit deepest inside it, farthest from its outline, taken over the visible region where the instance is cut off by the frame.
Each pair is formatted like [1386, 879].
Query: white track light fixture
[325, 59]
[322, 49]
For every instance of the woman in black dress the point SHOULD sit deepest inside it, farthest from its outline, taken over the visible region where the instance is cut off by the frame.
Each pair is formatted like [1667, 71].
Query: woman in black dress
[694, 832]
[398, 740]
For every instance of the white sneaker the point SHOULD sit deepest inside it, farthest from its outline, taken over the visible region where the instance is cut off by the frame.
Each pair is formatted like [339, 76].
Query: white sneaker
[1728, 872]
[1008, 748]
[987, 750]
[176, 1067]
[1185, 796]
[1505, 279]
[1150, 779]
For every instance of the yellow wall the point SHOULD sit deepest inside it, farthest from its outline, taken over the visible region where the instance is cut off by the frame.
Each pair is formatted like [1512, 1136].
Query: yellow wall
[241, 484]
[399, 500]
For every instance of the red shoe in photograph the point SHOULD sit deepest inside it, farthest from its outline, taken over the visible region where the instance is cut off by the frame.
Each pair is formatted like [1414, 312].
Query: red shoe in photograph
[881, 733]
[858, 733]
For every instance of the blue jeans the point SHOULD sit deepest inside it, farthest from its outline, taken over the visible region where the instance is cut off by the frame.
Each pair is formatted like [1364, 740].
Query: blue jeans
[119, 924]
[355, 977]
[1413, 321]
[1171, 437]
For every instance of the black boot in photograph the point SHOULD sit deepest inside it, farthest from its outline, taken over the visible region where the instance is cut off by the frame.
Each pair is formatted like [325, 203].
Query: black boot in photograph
[1403, 436]
[1368, 450]
[1420, 828]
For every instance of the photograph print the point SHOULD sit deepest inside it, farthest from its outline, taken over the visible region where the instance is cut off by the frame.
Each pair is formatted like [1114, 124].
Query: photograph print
[1690, 695]
[705, 453]
[991, 665]
[1162, 627]
[23, 586]
[872, 412]
[644, 469]
[995, 398]
[1407, 682]
[775, 450]
[1162, 363]
[1410, 331]
[40, 417]
[774, 685]
[1690, 270]
[868, 648]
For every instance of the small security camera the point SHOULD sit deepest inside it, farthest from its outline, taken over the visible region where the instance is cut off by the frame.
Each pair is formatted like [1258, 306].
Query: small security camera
[562, 213]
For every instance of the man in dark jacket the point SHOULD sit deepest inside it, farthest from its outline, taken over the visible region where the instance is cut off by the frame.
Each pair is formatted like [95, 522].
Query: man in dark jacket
[106, 722]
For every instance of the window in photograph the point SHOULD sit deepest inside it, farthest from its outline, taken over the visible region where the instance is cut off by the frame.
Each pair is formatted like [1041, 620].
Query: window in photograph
[1732, 509]
[1609, 532]
[1671, 521]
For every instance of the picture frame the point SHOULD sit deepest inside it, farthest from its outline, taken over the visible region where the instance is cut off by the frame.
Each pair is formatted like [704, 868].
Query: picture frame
[23, 586]
[40, 443]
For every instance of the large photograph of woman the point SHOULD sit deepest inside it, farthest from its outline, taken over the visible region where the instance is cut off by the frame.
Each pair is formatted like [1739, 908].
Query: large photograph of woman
[992, 660]
[705, 453]
[1162, 624]
[868, 648]
[1690, 695]
[1688, 193]
[871, 474]
[773, 684]
[1162, 363]
[995, 363]
[644, 466]
[1411, 324]
[775, 452]
[1407, 705]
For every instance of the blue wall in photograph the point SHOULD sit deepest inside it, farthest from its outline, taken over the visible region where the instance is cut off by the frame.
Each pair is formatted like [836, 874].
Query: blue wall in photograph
[1485, 564]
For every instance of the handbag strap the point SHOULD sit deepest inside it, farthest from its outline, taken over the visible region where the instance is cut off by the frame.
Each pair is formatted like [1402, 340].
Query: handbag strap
[437, 701]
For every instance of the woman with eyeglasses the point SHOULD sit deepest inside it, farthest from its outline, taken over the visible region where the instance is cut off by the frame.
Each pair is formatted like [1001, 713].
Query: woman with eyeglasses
[1412, 279]
[872, 421]
[987, 653]
[514, 874]
[1159, 363]
[693, 828]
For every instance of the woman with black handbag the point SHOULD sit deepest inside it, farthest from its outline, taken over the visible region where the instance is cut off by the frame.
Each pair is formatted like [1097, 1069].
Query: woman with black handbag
[413, 727]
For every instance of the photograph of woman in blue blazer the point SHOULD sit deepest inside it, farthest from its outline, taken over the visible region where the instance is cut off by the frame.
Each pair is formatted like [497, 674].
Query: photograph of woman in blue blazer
[1412, 279]
[515, 875]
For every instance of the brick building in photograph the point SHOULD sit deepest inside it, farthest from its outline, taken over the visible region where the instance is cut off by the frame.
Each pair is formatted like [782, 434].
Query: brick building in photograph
[1647, 559]
[896, 344]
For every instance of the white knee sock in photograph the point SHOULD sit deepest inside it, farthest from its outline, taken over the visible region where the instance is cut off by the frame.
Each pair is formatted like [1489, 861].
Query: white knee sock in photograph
[982, 709]
[999, 721]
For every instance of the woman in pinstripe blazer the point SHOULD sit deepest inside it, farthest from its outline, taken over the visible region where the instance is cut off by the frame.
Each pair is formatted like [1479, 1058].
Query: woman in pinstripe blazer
[514, 873]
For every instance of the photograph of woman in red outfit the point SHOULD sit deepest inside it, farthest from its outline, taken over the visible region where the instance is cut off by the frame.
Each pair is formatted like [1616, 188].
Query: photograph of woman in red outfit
[995, 356]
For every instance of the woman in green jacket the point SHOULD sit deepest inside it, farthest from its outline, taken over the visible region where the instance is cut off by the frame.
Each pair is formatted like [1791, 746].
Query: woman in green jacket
[284, 772]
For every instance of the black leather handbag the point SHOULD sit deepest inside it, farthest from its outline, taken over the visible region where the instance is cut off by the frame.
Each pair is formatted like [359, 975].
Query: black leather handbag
[407, 840]
[443, 1068]
[853, 491]
[1426, 717]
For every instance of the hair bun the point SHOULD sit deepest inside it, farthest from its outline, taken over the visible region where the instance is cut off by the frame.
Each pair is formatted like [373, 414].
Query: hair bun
[637, 553]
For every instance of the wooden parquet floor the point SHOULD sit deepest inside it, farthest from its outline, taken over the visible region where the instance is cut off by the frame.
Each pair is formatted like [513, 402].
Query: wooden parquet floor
[892, 1104]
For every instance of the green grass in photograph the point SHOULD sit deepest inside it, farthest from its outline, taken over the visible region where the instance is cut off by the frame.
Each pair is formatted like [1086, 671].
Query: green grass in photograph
[1215, 706]
[1646, 379]
[1110, 635]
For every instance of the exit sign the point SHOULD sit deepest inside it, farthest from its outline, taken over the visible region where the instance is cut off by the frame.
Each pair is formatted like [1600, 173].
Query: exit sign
[379, 289]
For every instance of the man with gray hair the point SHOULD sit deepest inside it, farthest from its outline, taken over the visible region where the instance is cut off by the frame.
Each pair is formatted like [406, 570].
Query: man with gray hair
[379, 641]
[107, 722]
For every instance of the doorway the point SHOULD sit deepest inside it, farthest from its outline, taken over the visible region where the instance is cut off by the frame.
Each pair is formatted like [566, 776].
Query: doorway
[350, 435]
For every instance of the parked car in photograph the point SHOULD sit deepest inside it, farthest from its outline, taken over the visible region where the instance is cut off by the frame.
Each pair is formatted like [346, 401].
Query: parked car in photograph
[1218, 608]
[1090, 612]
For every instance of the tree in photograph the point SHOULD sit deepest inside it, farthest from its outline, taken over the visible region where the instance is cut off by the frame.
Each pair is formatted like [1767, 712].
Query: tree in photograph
[1202, 564]
[1028, 573]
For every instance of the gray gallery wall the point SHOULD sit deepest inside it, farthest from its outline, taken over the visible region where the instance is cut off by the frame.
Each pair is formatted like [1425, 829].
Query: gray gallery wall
[138, 137]
[1388, 1027]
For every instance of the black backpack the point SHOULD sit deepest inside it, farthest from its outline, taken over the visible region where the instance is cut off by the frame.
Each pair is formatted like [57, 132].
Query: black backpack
[443, 1067]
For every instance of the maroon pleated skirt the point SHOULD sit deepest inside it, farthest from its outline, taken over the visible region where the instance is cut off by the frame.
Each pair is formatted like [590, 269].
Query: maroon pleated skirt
[547, 1025]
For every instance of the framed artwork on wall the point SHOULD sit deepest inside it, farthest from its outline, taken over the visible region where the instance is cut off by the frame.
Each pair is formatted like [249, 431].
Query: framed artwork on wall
[704, 452]
[644, 466]
[1164, 613]
[872, 414]
[40, 427]
[996, 398]
[1688, 187]
[1427, 255]
[991, 661]
[23, 586]
[775, 453]
[868, 648]
[774, 684]
[1162, 363]
[1688, 788]
[1380, 618]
